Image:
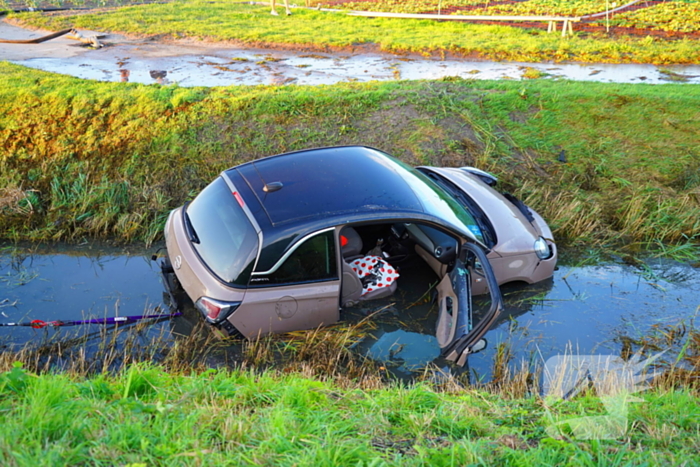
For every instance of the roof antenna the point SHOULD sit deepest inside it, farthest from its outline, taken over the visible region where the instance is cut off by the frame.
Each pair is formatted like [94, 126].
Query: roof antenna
[272, 187]
[268, 187]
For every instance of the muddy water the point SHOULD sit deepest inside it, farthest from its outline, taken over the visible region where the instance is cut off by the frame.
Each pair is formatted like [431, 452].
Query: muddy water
[190, 66]
[193, 64]
[585, 309]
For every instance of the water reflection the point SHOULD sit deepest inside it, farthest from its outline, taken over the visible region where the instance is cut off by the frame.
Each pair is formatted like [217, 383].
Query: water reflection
[408, 351]
[588, 309]
[405, 341]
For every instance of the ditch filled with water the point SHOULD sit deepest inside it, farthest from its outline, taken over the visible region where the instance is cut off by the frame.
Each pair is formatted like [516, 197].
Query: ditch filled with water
[601, 308]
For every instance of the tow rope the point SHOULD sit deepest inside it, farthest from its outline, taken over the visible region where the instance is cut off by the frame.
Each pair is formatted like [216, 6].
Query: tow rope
[38, 324]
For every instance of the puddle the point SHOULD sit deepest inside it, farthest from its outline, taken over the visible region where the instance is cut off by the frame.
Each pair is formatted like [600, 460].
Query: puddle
[192, 65]
[222, 67]
[585, 309]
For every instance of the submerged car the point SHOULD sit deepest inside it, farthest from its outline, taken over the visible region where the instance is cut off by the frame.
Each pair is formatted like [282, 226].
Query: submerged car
[286, 242]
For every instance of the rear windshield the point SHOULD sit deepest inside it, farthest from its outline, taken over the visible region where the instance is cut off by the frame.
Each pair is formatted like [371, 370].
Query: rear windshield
[228, 243]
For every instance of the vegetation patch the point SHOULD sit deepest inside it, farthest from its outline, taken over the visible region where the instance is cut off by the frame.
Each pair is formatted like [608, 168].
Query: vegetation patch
[145, 416]
[603, 163]
[666, 16]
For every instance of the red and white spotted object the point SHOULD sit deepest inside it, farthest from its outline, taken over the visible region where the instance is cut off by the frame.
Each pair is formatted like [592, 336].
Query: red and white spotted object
[377, 273]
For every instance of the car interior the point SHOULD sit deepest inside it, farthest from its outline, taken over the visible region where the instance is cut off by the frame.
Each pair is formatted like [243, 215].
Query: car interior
[385, 247]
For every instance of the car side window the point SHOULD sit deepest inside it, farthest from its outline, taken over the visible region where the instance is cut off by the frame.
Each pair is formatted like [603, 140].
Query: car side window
[313, 260]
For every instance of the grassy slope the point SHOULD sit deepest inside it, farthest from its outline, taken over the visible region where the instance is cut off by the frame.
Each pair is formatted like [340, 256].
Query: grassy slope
[147, 417]
[252, 24]
[110, 159]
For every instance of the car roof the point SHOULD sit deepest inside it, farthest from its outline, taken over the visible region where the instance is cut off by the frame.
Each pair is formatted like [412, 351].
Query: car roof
[324, 187]
[327, 182]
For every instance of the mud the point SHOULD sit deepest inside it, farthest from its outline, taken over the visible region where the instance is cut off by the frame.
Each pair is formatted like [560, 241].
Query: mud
[187, 63]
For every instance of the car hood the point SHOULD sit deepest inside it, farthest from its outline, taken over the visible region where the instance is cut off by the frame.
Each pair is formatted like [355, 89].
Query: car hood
[515, 234]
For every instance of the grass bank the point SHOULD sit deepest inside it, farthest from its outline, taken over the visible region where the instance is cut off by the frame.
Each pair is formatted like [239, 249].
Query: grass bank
[253, 25]
[145, 416]
[108, 160]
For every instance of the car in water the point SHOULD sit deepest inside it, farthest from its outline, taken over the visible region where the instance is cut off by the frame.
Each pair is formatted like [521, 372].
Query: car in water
[288, 242]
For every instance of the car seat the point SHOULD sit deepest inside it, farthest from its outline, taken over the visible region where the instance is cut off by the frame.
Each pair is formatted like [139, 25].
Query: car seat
[367, 278]
[350, 244]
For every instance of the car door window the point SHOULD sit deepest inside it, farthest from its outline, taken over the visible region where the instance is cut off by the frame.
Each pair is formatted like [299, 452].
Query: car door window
[314, 260]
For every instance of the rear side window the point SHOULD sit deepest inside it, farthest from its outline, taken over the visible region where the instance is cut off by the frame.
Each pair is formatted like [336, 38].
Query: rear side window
[314, 260]
[228, 243]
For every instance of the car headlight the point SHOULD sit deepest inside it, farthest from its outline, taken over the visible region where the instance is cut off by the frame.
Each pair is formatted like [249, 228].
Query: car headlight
[542, 249]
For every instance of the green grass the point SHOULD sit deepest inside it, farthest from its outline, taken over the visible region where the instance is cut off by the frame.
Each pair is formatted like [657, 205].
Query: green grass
[144, 416]
[108, 160]
[253, 25]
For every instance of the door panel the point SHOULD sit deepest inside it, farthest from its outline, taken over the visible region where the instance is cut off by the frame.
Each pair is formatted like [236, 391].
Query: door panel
[287, 308]
[454, 305]
[434, 264]
[460, 347]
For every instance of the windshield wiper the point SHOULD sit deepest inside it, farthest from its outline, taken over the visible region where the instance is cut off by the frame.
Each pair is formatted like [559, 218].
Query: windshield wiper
[191, 233]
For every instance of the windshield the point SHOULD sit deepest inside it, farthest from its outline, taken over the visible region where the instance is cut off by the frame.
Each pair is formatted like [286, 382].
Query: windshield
[439, 202]
[227, 241]
[484, 230]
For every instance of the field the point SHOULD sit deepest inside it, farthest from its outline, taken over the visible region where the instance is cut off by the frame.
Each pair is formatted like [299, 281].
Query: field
[663, 33]
[674, 17]
[640, 18]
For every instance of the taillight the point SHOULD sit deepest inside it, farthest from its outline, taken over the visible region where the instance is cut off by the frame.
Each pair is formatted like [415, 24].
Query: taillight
[215, 311]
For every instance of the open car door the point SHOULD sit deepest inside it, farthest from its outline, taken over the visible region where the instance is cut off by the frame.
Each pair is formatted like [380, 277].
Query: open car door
[457, 333]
